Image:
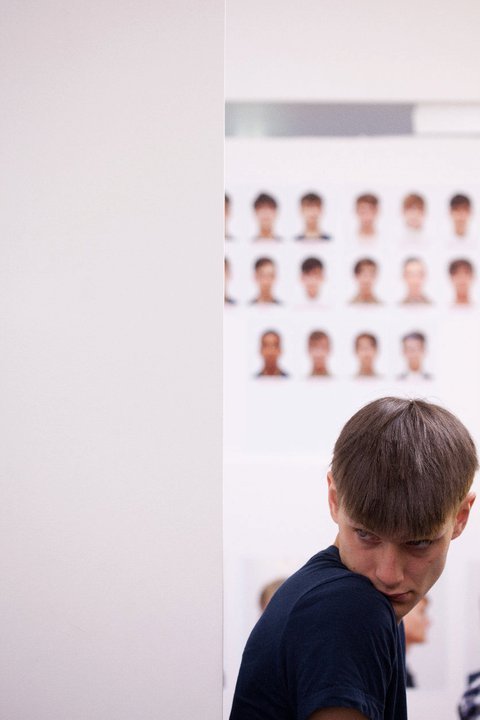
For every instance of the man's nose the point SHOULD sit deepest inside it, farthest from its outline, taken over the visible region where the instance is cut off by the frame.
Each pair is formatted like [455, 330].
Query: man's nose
[389, 570]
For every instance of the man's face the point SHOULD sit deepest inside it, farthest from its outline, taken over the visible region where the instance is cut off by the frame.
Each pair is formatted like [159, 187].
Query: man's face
[403, 569]
[462, 279]
[366, 277]
[266, 217]
[366, 213]
[414, 351]
[311, 212]
[460, 216]
[414, 217]
[366, 351]
[312, 281]
[414, 275]
[270, 348]
[416, 623]
[265, 277]
[319, 350]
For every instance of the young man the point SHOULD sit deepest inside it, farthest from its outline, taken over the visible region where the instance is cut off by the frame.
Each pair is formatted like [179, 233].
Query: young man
[312, 277]
[460, 213]
[365, 272]
[413, 208]
[415, 275]
[266, 207]
[462, 276]
[366, 350]
[311, 206]
[366, 208]
[319, 350]
[414, 347]
[270, 350]
[265, 275]
[330, 644]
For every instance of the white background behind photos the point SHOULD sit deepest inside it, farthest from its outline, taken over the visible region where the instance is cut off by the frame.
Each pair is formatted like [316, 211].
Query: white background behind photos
[279, 432]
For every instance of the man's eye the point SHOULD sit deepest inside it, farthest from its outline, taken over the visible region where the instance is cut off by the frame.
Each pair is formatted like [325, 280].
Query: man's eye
[420, 544]
[365, 535]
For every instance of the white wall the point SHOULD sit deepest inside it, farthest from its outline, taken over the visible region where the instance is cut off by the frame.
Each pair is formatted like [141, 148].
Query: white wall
[110, 314]
[368, 51]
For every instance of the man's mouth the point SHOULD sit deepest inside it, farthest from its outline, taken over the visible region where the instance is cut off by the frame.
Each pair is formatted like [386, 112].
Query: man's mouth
[398, 597]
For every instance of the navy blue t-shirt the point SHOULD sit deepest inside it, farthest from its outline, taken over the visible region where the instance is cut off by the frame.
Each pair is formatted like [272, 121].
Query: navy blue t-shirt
[327, 638]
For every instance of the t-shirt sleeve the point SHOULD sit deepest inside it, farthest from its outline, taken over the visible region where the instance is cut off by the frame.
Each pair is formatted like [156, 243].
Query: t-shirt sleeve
[340, 649]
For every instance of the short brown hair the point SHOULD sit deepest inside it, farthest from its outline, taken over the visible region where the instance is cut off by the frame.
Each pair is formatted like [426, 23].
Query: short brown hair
[311, 198]
[460, 201]
[368, 198]
[310, 264]
[460, 264]
[367, 336]
[316, 336]
[401, 467]
[364, 262]
[261, 262]
[265, 200]
[413, 201]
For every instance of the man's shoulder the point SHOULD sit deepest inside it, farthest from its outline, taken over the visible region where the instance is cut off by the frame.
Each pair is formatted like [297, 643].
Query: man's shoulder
[325, 582]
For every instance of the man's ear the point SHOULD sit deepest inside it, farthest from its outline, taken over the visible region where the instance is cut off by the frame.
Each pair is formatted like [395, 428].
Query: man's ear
[463, 513]
[332, 497]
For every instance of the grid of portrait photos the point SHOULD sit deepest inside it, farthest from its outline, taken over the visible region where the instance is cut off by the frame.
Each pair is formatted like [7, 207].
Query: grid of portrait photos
[342, 283]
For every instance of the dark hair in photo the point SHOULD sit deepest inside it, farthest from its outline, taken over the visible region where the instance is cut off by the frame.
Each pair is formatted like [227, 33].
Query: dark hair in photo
[261, 262]
[460, 264]
[460, 201]
[364, 262]
[415, 336]
[265, 200]
[401, 467]
[311, 198]
[311, 263]
[366, 336]
[367, 198]
[227, 199]
[318, 335]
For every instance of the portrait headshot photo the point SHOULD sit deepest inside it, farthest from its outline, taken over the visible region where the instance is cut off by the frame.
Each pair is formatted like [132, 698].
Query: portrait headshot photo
[414, 275]
[319, 349]
[311, 210]
[416, 624]
[265, 209]
[414, 212]
[265, 276]
[367, 208]
[312, 278]
[366, 351]
[462, 276]
[460, 215]
[268, 591]
[228, 210]
[365, 272]
[270, 351]
[414, 350]
[228, 273]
